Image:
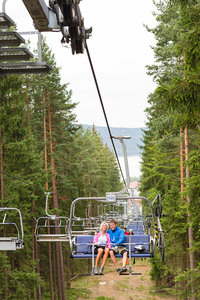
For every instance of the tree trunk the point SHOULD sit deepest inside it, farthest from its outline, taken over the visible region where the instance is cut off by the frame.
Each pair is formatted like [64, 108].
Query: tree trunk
[54, 268]
[176, 267]
[59, 256]
[2, 197]
[38, 270]
[190, 229]
[27, 105]
[46, 187]
[68, 273]
[33, 245]
[184, 261]
[181, 164]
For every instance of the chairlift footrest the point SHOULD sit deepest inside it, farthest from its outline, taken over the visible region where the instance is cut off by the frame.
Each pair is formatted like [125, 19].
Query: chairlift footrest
[130, 274]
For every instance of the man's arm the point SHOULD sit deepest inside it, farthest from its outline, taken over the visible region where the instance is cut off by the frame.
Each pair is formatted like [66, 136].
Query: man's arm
[121, 237]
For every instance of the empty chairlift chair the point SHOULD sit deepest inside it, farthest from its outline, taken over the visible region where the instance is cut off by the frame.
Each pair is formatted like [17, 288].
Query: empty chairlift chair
[51, 228]
[11, 229]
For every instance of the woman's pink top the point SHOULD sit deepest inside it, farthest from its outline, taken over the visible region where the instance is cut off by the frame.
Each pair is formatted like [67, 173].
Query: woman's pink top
[97, 236]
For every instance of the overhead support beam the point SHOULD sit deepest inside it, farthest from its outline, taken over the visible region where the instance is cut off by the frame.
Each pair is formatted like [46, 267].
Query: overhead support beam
[43, 17]
[63, 15]
[38, 12]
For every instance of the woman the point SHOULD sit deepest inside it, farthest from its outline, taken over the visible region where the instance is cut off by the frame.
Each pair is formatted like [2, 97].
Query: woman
[102, 245]
[131, 232]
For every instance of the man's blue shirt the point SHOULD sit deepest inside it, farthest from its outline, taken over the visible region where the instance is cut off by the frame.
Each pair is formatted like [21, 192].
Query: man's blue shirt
[117, 236]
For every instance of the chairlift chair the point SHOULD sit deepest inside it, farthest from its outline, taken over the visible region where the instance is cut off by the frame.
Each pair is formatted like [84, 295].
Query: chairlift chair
[45, 224]
[10, 241]
[79, 245]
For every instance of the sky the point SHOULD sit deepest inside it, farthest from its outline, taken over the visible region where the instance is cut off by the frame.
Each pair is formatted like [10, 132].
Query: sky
[120, 48]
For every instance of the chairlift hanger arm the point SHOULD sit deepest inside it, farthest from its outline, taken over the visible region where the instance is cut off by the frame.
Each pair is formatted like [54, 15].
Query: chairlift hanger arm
[62, 15]
[46, 206]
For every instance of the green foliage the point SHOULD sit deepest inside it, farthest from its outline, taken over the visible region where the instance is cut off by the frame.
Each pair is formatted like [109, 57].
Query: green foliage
[157, 270]
[173, 105]
[73, 293]
[78, 165]
[191, 278]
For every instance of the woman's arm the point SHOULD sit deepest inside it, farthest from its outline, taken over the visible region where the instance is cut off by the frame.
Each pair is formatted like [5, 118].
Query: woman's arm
[108, 241]
[96, 238]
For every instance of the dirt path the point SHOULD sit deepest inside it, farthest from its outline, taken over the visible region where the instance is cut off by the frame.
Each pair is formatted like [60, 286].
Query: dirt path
[127, 287]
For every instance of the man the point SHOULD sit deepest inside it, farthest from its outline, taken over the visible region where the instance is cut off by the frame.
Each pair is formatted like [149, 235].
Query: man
[125, 231]
[117, 237]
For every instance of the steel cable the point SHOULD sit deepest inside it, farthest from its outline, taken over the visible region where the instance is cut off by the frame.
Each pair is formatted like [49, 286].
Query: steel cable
[102, 105]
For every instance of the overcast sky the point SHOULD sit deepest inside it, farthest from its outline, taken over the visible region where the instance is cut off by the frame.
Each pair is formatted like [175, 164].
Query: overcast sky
[119, 48]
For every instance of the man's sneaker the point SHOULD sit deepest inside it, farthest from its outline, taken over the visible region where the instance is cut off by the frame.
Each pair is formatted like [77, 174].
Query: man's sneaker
[118, 270]
[96, 271]
[123, 269]
[101, 270]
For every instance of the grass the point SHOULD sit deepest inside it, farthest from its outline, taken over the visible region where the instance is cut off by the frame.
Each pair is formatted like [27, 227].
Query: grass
[140, 288]
[142, 278]
[84, 282]
[122, 286]
[73, 294]
[161, 291]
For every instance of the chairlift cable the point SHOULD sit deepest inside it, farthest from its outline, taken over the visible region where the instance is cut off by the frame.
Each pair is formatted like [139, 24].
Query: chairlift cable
[102, 105]
[26, 182]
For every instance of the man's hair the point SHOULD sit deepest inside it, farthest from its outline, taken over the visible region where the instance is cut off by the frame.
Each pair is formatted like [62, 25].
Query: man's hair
[113, 221]
[125, 228]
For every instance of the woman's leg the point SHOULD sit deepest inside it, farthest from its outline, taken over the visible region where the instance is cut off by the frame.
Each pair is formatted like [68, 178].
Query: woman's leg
[99, 256]
[105, 257]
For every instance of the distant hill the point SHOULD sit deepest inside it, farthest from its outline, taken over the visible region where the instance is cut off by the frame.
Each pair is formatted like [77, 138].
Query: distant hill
[131, 144]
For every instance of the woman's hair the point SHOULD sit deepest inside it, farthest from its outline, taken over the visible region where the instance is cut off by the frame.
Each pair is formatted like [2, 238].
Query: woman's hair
[104, 223]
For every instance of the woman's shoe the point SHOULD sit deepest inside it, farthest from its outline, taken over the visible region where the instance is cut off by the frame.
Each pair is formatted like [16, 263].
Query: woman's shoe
[96, 271]
[101, 270]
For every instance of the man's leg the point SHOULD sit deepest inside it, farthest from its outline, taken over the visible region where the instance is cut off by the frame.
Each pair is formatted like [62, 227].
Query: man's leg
[124, 259]
[113, 258]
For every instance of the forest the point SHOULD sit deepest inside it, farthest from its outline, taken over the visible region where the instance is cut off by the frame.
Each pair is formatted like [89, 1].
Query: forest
[170, 155]
[43, 148]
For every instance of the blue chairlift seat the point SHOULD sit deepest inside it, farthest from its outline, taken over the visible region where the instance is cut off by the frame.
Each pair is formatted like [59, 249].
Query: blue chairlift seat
[83, 246]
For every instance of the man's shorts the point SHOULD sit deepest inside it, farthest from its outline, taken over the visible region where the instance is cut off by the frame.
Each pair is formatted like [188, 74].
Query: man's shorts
[121, 250]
